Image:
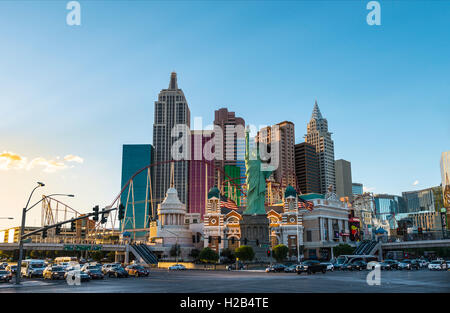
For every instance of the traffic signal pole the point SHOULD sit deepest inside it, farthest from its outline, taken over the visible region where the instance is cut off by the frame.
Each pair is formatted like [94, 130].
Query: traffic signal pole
[42, 229]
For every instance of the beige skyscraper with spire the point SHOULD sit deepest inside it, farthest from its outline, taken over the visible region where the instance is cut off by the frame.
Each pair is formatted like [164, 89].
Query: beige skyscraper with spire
[319, 136]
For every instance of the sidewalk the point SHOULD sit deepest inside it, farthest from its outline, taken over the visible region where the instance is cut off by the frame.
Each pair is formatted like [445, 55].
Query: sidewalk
[24, 284]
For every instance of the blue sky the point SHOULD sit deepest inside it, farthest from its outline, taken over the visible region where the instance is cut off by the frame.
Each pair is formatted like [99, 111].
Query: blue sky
[86, 90]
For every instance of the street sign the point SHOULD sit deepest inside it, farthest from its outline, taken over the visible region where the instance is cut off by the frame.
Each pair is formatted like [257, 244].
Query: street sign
[82, 248]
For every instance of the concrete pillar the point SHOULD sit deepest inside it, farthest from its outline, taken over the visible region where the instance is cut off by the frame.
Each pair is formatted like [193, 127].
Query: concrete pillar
[127, 254]
[330, 230]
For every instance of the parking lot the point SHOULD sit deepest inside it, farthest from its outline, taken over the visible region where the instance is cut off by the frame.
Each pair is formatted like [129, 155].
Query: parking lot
[200, 281]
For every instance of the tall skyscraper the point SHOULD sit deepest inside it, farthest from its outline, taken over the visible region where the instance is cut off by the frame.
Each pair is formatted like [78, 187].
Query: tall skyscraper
[343, 179]
[171, 110]
[229, 146]
[319, 136]
[307, 168]
[134, 158]
[201, 175]
[445, 179]
[420, 200]
[284, 134]
[386, 206]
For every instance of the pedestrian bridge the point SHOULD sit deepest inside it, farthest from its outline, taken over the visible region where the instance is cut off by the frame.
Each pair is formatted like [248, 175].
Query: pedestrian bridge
[64, 246]
[416, 244]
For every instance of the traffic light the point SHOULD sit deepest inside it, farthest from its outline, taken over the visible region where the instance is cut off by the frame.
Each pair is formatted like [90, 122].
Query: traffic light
[268, 253]
[257, 242]
[95, 209]
[420, 230]
[73, 226]
[44, 234]
[245, 241]
[104, 217]
[121, 212]
[57, 229]
[219, 239]
[209, 239]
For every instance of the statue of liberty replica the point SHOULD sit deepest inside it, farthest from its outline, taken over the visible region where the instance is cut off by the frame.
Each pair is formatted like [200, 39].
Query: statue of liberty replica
[255, 225]
[256, 173]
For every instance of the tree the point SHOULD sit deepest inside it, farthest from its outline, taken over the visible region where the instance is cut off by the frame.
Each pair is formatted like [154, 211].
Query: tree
[244, 253]
[342, 248]
[175, 250]
[97, 255]
[208, 255]
[228, 254]
[195, 254]
[279, 252]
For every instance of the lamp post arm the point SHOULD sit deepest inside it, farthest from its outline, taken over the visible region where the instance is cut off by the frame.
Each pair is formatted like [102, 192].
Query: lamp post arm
[31, 194]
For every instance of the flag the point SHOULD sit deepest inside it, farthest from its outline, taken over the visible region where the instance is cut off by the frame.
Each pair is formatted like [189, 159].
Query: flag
[227, 203]
[305, 204]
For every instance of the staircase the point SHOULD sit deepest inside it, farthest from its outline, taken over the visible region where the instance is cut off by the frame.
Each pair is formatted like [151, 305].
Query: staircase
[143, 252]
[367, 247]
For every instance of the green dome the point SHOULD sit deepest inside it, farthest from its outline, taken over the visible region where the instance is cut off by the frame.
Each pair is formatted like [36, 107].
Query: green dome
[290, 192]
[214, 192]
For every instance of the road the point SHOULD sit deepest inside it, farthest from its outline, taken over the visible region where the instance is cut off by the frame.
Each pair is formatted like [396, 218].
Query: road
[195, 281]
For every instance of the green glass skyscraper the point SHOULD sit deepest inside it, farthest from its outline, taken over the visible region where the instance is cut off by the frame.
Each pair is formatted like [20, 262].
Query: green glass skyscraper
[134, 158]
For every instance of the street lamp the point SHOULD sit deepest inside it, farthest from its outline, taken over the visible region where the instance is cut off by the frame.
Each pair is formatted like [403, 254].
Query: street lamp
[22, 228]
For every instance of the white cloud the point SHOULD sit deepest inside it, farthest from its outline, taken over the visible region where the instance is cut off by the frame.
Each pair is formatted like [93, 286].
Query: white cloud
[10, 160]
[415, 183]
[368, 189]
[49, 166]
[13, 161]
[73, 158]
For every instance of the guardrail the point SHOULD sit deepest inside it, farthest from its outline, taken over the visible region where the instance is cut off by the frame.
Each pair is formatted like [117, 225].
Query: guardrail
[431, 235]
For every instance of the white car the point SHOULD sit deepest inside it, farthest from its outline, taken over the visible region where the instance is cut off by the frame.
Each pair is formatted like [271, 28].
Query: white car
[437, 265]
[372, 264]
[422, 263]
[177, 267]
[330, 266]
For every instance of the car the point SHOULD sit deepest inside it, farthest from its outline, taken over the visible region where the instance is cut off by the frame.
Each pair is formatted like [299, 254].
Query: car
[93, 271]
[311, 266]
[385, 266]
[232, 267]
[276, 268]
[117, 271]
[53, 272]
[177, 267]
[358, 265]
[5, 276]
[290, 268]
[330, 266]
[408, 265]
[77, 273]
[33, 268]
[106, 267]
[422, 263]
[392, 263]
[137, 270]
[437, 265]
[3, 265]
[12, 269]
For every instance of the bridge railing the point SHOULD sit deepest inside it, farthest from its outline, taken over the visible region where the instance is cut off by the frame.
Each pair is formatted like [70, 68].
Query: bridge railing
[75, 240]
[429, 235]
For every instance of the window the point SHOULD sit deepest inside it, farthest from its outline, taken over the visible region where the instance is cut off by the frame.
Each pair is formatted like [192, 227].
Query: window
[308, 235]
